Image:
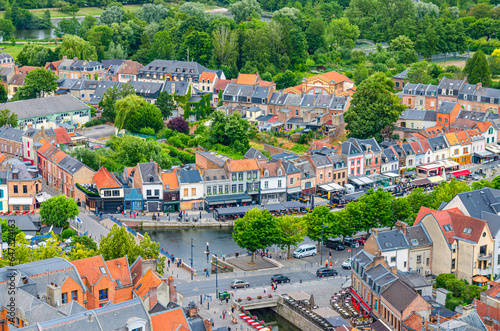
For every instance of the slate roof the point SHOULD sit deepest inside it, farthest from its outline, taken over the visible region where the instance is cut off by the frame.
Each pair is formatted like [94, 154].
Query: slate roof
[417, 236]
[391, 240]
[214, 174]
[438, 143]
[349, 149]
[289, 167]
[261, 92]
[308, 101]
[493, 221]
[254, 153]
[402, 75]
[389, 156]
[189, 176]
[448, 83]
[408, 149]
[44, 106]
[320, 161]
[147, 87]
[479, 201]
[399, 295]
[8, 133]
[293, 100]
[419, 115]
[285, 156]
[116, 62]
[446, 107]
[110, 317]
[101, 89]
[364, 143]
[215, 158]
[307, 170]
[173, 67]
[181, 87]
[413, 279]
[338, 103]
[148, 172]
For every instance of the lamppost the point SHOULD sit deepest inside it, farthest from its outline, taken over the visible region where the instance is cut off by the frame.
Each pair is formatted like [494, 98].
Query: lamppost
[216, 279]
[321, 244]
[192, 246]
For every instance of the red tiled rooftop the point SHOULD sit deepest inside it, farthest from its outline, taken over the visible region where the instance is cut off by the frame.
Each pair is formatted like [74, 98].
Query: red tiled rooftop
[90, 268]
[118, 268]
[170, 320]
[150, 279]
[170, 179]
[62, 136]
[104, 179]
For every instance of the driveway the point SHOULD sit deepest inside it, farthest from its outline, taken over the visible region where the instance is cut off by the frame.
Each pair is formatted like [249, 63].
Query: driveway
[98, 131]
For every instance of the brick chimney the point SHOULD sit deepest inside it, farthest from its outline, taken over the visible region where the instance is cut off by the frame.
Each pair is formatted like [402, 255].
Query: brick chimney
[192, 309]
[64, 57]
[153, 296]
[171, 289]
[401, 227]
[479, 85]
[208, 324]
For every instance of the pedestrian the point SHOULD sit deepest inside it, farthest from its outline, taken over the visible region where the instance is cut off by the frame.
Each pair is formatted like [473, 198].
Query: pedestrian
[265, 290]
[331, 263]
[275, 286]
[208, 247]
[330, 254]
[326, 264]
[223, 314]
[286, 255]
[206, 273]
[227, 299]
[232, 310]
[168, 261]
[130, 213]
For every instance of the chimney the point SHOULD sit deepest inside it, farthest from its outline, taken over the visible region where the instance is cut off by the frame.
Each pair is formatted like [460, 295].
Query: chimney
[118, 264]
[65, 57]
[375, 231]
[171, 289]
[208, 324]
[151, 160]
[54, 295]
[192, 309]
[401, 227]
[394, 270]
[173, 87]
[153, 296]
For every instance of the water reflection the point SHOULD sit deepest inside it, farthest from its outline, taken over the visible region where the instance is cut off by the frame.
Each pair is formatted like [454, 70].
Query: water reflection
[40, 33]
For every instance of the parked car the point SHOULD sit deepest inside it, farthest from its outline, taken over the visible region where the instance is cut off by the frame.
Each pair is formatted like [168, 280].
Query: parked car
[326, 272]
[279, 278]
[350, 242]
[360, 240]
[334, 244]
[305, 250]
[239, 283]
[346, 264]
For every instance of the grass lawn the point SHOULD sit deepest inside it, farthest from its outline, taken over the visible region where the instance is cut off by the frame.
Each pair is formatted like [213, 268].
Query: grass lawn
[14, 50]
[54, 13]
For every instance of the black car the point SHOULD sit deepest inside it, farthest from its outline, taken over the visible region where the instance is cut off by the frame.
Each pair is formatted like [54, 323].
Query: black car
[279, 278]
[350, 242]
[326, 272]
[336, 245]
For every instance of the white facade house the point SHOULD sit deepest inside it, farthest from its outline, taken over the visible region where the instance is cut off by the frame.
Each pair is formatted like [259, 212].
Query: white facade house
[273, 183]
[393, 245]
[191, 187]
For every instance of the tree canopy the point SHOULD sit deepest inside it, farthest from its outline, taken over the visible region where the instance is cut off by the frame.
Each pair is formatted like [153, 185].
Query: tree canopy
[38, 83]
[58, 210]
[373, 108]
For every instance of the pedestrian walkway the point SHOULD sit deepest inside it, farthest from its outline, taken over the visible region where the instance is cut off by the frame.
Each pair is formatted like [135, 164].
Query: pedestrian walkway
[89, 227]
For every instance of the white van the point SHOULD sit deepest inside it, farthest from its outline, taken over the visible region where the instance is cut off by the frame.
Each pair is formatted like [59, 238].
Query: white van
[305, 250]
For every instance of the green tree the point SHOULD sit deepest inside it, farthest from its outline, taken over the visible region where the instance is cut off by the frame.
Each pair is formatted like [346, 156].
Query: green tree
[245, 9]
[317, 221]
[58, 210]
[152, 13]
[232, 131]
[287, 79]
[145, 116]
[340, 32]
[345, 222]
[6, 29]
[256, 230]
[38, 83]
[3, 98]
[109, 99]
[418, 73]
[67, 26]
[376, 207]
[360, 73]
[199, 45]
[66, 233]
[9, 231]
[446, 191]
[165, 102]
[193, 9]
[477, 69]
[85, 241]
[115, 51]
[35, 55]
[480, 184]
[100, 37]
[315, 35]
[373, 108]
[125, 108]
[113, 14]
[442, 279]
[130, 150]
[79, 251]
[118, 243]
[162, 46]
[403, 49]
[293, 231]
[22, 252]
[225, 45]
[74, 46]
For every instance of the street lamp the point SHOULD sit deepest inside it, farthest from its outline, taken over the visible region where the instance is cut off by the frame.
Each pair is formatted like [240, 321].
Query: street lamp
[321, 245]
[216, 279]
[192, 246]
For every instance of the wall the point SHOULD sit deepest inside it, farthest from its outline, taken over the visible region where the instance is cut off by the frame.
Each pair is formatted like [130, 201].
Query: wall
[422, 267]
[442, 255]
[295, 318]
[401, 256]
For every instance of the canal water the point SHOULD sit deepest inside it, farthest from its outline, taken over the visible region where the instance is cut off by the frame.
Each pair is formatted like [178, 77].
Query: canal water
[177, 241]
[274, 320]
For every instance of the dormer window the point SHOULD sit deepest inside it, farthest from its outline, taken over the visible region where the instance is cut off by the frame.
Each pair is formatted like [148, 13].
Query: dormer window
[266, 173]
[279, 172]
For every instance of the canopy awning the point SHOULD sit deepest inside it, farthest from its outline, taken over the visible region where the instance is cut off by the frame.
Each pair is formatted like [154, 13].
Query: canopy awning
[461, 173]
[366, 180]
[493, 148]
[230, 198]
[235, 210]
[352, 196]
[293, 204]
[20, 201]
[331, 187]
[356, 181]
[435, 179]
[484, 154]
[42, 197]
[390, 174]
[420, 182]
[480, 279]
[274, 207]
[447, 163]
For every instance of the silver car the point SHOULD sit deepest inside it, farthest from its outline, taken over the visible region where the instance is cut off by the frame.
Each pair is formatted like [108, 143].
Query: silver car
[239, 283]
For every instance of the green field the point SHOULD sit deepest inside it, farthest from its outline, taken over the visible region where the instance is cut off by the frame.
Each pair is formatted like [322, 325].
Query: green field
[14, 50]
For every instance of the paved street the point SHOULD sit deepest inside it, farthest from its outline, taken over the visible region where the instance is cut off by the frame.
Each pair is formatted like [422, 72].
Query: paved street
[90, 226]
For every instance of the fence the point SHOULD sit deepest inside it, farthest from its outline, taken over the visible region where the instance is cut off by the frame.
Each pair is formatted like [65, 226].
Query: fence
[444, 57]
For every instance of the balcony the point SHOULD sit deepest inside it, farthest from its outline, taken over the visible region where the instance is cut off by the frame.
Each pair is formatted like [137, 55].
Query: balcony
[483, 272]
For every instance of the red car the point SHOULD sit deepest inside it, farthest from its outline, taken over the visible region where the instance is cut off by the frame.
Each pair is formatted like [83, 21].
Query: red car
[361, 240]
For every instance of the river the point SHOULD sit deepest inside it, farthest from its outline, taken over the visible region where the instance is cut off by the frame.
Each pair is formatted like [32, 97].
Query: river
[40, 33]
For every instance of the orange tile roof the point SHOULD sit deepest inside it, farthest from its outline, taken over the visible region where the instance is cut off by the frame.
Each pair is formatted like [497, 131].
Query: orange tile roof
[2, 157]
[170, 320]
[129, 170]
[452, 139]
[265, 83]
[493, 291]
[207, 75]
[222, 83]
[242, 165]
[62, 136]
[44, 147]
[26, 69]
[17, 79]
[329, 76]
[425, 145]
[463, 137]
[118, 268]
[104, 179]
[490, 312]
[473, 132]
[294, 89]
[247, 79]
[130, 67]
[170, 179]
[150, 279]
[418, 136]
[436, 130]
[58, 156]
[54, 63]
[414, 322]
[483, 126]
[90, 268]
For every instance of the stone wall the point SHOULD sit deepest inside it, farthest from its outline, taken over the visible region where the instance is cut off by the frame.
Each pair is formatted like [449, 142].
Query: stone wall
[295, 318]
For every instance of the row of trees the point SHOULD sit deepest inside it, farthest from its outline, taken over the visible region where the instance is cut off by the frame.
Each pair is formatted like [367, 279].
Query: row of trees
[260, 229]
